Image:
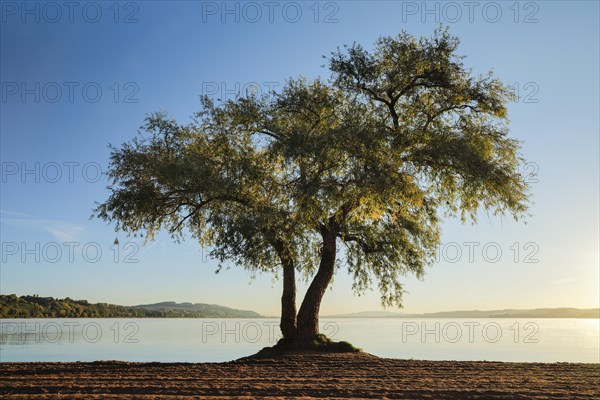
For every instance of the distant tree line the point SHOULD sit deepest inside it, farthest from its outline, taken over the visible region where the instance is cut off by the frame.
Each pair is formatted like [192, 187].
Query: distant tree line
[13, 306]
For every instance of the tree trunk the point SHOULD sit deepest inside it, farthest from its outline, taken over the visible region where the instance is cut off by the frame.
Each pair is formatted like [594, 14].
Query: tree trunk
[308, 316]
[288, 298]
[288, 303]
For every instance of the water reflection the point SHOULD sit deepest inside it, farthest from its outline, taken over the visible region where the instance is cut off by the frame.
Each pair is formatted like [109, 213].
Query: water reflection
[204, 340]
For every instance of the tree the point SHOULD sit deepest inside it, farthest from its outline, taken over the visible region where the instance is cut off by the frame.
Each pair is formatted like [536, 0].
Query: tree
[356, 171]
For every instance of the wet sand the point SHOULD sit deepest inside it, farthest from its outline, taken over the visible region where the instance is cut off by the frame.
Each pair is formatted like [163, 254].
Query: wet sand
[301, 376]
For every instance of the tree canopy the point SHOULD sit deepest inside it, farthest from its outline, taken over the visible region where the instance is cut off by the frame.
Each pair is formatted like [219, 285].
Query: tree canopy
[355, 171]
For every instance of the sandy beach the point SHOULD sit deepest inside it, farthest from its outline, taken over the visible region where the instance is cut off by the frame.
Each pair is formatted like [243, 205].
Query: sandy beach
[301, 376]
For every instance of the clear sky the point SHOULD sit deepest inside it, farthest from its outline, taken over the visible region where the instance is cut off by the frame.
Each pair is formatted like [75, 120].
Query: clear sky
[77, 77]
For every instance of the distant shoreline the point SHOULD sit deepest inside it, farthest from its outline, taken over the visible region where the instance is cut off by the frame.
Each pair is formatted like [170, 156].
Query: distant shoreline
[28, 307]
[13, 306]
[563, 312]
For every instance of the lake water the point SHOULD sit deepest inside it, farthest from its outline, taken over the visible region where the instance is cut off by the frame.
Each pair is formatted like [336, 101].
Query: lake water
[213, 340]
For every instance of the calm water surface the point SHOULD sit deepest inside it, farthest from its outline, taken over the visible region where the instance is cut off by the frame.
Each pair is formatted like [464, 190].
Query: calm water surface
[208, 340]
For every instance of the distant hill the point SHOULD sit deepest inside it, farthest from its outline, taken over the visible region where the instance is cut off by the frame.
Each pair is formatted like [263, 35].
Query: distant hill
[507, 313]
[13, 306]
[206, 310]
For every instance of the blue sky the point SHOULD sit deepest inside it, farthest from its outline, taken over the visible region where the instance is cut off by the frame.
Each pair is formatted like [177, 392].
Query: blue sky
[71, 85]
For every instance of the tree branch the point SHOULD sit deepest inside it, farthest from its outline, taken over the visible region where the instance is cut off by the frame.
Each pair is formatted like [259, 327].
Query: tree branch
[196, 209]
[271, 134]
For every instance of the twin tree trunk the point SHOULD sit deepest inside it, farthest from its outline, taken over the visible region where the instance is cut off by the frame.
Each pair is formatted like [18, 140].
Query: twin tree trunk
[305, 326]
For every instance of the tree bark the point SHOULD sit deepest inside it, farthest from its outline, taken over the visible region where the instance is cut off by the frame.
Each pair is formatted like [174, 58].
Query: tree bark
[308, 316]
[288, 298]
